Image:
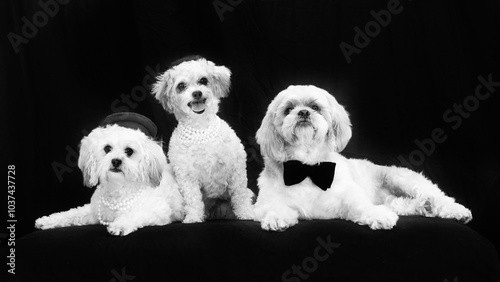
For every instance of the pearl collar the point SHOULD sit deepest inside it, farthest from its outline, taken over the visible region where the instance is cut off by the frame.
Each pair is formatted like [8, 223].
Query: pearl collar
[116, 206]
[189, 135]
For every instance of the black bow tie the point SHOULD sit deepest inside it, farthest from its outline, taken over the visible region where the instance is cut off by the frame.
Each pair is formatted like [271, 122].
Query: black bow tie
[320, 174]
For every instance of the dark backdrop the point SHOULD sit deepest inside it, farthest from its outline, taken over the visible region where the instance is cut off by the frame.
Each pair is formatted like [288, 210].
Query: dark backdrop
[412, 78]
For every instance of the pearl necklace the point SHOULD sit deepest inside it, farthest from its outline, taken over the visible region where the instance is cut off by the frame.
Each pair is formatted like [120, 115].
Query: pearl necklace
[118, 206]
[191, 135]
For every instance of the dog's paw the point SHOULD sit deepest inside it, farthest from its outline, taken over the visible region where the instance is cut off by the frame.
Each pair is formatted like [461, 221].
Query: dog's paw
[424, 206]
[273, 222]
[455, 211]
[45, 222]
[118, 229]
[51, 221]
[192, 219]
[245, 214]
[379, 217]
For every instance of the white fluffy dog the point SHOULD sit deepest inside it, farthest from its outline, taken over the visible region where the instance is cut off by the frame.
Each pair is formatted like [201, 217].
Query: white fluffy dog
[136, 186]
[208, 158]
[305, 176]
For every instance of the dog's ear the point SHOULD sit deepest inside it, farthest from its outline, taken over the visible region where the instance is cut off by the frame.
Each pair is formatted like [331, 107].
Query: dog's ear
[153, 162]
[88, 161]
[272, 145]
[161, 90]
[340, 131]
[221, 77]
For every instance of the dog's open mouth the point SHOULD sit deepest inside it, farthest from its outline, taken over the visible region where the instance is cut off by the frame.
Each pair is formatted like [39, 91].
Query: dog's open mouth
[197, 107]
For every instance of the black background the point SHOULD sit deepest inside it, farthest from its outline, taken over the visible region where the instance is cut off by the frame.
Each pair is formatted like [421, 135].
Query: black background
[90, 56]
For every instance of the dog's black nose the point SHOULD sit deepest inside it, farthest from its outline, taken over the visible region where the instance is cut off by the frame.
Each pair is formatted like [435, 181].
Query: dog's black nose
[304, 113]
[116, 162]
[197, 94]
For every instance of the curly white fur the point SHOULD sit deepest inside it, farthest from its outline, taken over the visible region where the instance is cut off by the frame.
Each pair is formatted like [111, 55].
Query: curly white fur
[215, 165]
[122, 161]
[361, 191]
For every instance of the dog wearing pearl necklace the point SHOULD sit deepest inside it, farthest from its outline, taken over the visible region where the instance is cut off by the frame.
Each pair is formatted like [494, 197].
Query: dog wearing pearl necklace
[208, 158]
[135, 184]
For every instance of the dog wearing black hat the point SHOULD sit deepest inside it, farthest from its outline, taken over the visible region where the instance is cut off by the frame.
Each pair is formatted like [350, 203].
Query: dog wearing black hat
[208, 158]
[135, 184]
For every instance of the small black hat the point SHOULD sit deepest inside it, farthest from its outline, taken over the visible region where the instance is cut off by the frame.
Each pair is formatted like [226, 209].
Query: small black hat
[132, 120]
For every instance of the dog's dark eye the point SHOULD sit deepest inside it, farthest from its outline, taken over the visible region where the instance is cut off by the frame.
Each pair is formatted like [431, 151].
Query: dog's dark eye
[181, 86]
[203, 81]
[107, 149]
[129, 151]
[315, 107]
[288, 110]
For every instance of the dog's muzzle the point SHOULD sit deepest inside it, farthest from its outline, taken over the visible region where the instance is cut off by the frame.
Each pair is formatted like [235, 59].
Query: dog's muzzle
[116, 163]
[304, 118]
[198, 104]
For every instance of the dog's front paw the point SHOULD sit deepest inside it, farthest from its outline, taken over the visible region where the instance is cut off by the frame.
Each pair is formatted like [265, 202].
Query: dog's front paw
[45, 222]
[455, 211]
[120, 229]
[190, 218]
[273, 222]
[379, 217]
[245, 214]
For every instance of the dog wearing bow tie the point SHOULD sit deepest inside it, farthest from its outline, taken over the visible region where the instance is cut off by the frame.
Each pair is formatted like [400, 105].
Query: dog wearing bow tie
[306, 177]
